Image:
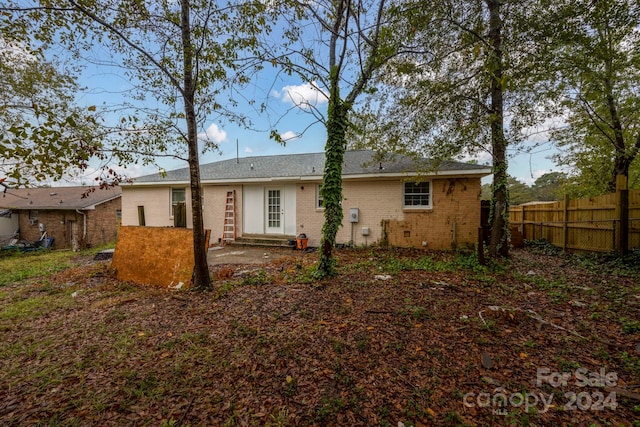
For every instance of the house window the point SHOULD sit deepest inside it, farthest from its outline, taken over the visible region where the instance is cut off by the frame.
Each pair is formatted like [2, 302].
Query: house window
[178, 195]
[417, 194]
[319, 199]
[33, 217]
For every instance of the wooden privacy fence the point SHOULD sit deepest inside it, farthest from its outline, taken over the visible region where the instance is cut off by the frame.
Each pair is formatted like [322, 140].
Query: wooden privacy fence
[607, 223]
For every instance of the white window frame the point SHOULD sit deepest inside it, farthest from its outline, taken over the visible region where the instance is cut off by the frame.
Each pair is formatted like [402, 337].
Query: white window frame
[429, 194]
[319, 199]
[175, 202]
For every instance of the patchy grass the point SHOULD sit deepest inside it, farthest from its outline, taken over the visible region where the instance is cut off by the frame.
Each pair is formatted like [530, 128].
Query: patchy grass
[34, 306]
[424, 346]
[16, 266]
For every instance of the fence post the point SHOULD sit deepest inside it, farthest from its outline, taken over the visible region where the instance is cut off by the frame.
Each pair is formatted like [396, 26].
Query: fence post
[481, 259]
[565, 224]
[180, 215]
[621, 234]
[524, 226]
[141, 220]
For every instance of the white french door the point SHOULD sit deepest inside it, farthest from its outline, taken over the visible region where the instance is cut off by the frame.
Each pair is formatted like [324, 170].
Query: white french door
[274, 211]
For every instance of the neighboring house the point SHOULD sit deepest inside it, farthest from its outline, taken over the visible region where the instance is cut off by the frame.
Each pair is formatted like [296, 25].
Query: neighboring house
[280, 196]
[63, 213]
[8, 225]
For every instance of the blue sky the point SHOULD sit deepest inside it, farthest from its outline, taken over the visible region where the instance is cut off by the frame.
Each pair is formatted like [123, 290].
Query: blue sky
[283, 95]
[301, 130]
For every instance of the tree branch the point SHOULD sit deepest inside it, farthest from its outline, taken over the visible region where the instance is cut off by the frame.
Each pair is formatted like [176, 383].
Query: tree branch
[125, 39]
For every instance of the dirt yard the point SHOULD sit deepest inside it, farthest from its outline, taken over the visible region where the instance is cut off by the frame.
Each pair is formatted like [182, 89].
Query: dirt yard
[399, 338]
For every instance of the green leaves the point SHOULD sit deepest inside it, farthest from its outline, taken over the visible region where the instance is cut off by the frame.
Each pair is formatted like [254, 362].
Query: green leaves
[42, 129]
[598, 66]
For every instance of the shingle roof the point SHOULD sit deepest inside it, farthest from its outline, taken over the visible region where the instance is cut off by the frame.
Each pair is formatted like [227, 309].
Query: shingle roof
[298, 166]
[59, 198]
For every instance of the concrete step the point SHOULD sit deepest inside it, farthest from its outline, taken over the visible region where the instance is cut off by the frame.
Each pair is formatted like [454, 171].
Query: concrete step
[264, 240]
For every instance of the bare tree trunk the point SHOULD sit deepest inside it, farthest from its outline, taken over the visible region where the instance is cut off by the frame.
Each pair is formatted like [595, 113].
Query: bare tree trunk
[500, 200]
[622, 160]
[201, 278]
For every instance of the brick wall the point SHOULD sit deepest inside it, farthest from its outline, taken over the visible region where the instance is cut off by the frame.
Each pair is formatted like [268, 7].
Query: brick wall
[375, 200]
[54, 223]
[452, 221]
[102, 225]
[215, 197]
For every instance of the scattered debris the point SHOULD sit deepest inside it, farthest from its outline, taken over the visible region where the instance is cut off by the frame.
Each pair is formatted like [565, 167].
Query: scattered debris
[286, 351]
[492, 381]
[383, 277]
[177, 286]
[487, 362]
[104, 255]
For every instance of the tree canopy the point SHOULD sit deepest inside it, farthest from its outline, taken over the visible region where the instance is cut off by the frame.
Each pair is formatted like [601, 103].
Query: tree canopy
[597, 68]
[43, 132]
[180, 56]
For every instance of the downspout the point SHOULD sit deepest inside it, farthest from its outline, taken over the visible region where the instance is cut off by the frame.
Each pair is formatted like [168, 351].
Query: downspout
[84, 226]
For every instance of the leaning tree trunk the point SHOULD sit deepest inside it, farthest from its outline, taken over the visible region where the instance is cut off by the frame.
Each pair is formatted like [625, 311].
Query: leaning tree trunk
[201, 278]
[498, 244]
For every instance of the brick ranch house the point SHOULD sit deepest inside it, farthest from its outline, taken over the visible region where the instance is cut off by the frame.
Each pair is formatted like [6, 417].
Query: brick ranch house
[386, 202]
[72, 220]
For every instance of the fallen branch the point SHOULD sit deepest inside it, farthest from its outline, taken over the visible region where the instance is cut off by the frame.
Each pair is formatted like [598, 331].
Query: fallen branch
[184, 414]
[482, 318]
[622, 392]
[539, 318]
[403, 378]
[533, 315]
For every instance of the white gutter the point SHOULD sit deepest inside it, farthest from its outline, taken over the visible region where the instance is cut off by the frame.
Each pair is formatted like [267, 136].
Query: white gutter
[361, 176]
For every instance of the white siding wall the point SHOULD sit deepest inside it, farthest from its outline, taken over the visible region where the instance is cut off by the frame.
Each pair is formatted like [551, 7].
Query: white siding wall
[290, 209]
[8, 226]
[253, 204]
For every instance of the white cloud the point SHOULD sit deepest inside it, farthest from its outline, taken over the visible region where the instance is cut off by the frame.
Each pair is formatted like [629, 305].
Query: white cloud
[542, 131]
[248, 150]
[213, 134]
[303, 96]
[482, 158]
[15, 54]
[289, 135]
[530, 179]
[89, 175]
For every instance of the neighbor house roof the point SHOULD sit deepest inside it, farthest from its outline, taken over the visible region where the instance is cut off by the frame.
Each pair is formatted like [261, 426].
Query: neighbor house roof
[357, 164]
[58, 198]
